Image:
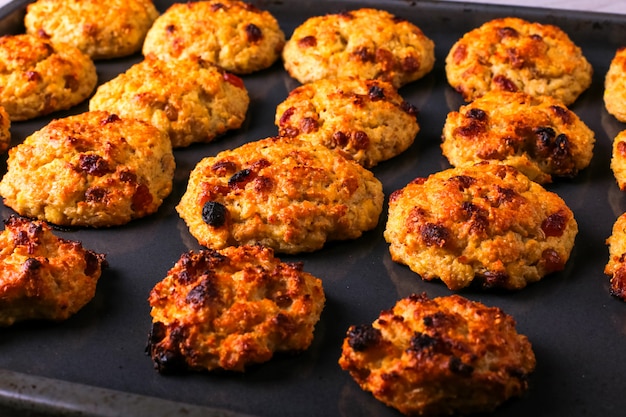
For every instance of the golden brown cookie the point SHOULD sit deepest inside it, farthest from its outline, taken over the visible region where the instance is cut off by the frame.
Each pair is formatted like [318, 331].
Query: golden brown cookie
[283, 193]
[615, 86]
[5, 130]
[618, 159]
[440, 356]
[366, 43]
[92, 169]
[39, 77]
[487, 223]
[189, 99]
[100, 29]
[42, 276]
[512, 54]
[230, 309]
[538, 135]
[366, 120]
[232, 34]
[616, 265]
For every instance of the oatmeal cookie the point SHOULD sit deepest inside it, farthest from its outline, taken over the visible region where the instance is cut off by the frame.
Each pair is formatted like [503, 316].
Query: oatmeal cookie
[92, 169]
[615, 86]
[512, 54]
[189, 99]
[44, 277]
[366, 120]
[39, 77]
[100, 29]
[440, 356]
[366, 43]
[284, 193]
[618, 159]
[230, 309]
[232, 34]
[487, 223]
[616, 266]
[5, 130]
[538, 135]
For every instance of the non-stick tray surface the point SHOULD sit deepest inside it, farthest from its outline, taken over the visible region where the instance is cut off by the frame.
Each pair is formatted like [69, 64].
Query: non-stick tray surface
[94, 363]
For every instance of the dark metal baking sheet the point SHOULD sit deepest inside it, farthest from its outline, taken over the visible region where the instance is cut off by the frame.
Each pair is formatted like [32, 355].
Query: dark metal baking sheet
[94, 364]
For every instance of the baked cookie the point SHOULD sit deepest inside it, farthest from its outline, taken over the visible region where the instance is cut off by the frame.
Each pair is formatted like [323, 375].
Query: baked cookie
[536, 134]
[189, 99]
[232, 34]
[100, 29]
[43, 277]
[366, 43]
[92, 169]
[441, 356]
[5, 130]
[512, 54]
[283, 193]
[230, 309]
[618, 159]
[616, 266]
[615, 86]
[487, 223]
[39, 77]
[366, 120]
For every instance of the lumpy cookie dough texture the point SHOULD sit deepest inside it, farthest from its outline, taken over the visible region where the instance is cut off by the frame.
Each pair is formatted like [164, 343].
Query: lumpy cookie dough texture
[366, 43]
[538, 135]
[189, 99]
[42, 276]
[232, 34]
[230, 309]
[283, 193]
[366, 120]
[5, 130]
[39, 77]
[618, 159]
[615, 86]
[616, 265]
[92, 169]
[486, 223]
[441, 356]
[512, 54]
[100, 29]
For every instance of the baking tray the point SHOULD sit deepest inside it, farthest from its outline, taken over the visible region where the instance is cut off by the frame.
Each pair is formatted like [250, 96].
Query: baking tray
[94, 363]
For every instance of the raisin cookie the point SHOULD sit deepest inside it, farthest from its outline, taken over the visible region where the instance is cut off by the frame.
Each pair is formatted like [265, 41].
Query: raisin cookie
[536, 134]
[230, 309]
[39, 77]
[5, 130]
[512, 54]
[284, 193]
[615, 86]
[44, 277]
[366, 43]
[487, 223]
[189, 99]
[618, 159]
[92, 169]
[232, 34]
[440, 356]
[616, 266]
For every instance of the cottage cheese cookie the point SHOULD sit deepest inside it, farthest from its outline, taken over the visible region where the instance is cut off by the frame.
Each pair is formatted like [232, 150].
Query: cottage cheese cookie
[366, 120]
[284, 193]
[512, 54]
[615, 86]
[618, 159]
[39, 77]
[537, 135]
[616, 266]
[92, 169]
[43, 276]
[189, 99]
[487, 223]
[231, 34]
[100, 29]
[366, 43]
[5, 130]
[231, 308]
[440, 356]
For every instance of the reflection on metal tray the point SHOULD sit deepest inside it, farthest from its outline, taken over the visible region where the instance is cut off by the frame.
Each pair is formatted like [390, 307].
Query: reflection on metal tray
[94, 363]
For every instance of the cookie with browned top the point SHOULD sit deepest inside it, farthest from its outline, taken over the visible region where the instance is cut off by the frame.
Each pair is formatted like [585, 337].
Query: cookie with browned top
[232, 34]
[615, 86]
[616, 265]
[487, 223]
[189, 99]
[5, 130]
[440, 356]
[42, 276]
[618, 159]
[512, 54]
[285, 193]
[367, 43]
[230, 309]
[92, 169]
[39, 77]
[538, 135]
